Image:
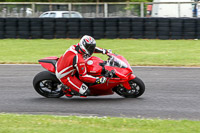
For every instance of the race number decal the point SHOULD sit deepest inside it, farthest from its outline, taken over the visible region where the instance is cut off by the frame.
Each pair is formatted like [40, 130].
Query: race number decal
[90, 62]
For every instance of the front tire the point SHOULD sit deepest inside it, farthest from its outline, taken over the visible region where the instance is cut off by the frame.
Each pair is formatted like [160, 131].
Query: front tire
[137, 89]
[47, 85]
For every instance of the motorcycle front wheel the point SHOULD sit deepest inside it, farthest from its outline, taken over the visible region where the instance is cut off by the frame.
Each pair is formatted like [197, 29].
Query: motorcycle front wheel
[47, 85]
[137, 89]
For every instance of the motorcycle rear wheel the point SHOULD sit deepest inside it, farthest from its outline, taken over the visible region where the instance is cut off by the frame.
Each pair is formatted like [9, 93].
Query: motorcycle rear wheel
[137, 90]
[47, 85]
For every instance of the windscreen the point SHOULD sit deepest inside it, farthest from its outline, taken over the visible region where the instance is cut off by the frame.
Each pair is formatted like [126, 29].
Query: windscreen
[116, 62]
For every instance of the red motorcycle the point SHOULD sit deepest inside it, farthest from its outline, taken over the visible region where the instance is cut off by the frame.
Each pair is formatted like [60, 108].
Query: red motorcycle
[116, 69]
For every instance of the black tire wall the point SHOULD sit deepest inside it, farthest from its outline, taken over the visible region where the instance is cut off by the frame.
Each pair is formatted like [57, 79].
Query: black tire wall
[136, 28]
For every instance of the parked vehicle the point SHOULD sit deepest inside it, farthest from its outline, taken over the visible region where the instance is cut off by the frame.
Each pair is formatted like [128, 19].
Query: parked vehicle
[172, 10]
[116, 69]
[61, 14]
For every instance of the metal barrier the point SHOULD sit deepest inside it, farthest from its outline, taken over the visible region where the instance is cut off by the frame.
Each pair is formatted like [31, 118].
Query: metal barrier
[144, 28]
[92, 10]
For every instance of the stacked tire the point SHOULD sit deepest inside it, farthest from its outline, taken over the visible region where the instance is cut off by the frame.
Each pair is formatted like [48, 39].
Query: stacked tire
[11, 28]
[98, 28]
[36, 31]
[137, 27]
[163, 29]
[111, 28]
[48, 28]
[85, 27]
[124, 30]
[2, 24]
[61, 28]
[189, 28]
[73, 28]
[198, 28]
[150, 28]
[23, 28]
[176, 28]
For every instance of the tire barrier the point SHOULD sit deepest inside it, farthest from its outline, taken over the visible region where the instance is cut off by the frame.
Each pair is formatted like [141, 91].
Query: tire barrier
[137, 28]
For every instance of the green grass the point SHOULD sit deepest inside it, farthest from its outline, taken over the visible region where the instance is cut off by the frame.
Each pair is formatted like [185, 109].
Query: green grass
[137, 52]
[10, 123]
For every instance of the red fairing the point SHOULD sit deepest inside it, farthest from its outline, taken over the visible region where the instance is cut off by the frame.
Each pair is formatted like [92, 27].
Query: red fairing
[93, 67]
[121, 72]
[50, 67]
[132, 76]
[49, 63]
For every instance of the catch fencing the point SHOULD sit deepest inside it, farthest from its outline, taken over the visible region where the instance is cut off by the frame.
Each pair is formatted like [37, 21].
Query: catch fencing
[138, 28]
[99, 9]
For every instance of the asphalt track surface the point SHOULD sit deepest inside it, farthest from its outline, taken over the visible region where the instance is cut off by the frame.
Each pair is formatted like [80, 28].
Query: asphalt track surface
[171, 93]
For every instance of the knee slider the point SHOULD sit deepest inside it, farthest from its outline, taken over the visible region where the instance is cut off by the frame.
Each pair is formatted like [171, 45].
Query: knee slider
[84, 90]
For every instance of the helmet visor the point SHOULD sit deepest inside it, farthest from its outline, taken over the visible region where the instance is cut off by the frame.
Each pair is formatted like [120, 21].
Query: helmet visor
[90, 48]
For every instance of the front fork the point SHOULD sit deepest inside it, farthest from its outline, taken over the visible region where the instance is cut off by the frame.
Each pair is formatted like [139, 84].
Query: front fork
[124, 79]
[126, 84]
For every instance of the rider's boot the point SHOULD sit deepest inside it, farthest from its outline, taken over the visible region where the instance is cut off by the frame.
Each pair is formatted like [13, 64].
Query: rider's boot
[68, 94]
[67, 91]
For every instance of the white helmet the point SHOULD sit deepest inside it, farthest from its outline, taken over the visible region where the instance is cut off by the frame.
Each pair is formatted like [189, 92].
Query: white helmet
[87, 45]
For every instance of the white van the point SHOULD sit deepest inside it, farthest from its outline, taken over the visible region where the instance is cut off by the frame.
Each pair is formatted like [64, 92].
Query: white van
[172, 10]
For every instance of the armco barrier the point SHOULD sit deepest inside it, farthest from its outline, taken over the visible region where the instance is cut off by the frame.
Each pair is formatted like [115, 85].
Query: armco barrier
[147, 28]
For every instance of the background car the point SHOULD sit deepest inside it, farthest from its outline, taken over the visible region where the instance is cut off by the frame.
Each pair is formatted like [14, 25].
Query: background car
[61, 14]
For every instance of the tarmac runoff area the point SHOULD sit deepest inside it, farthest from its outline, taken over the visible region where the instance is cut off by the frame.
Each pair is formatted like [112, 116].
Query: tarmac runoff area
[171, 93]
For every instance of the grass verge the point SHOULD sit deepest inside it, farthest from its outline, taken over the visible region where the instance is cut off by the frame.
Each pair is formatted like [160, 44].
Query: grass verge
[137, 52]
[10, 123]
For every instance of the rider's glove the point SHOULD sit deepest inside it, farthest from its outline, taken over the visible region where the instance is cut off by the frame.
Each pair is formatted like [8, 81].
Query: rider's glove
[105, 51]
[101, 80]
[109, 51]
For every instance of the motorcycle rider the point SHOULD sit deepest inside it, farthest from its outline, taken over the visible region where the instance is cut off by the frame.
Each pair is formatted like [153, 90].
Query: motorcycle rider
[72, 61]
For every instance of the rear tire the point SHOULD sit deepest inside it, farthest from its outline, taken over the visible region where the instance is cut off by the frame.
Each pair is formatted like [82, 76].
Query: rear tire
[47, 85]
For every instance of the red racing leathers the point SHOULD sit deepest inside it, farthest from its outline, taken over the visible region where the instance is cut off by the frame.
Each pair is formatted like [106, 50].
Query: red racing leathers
[71, 62]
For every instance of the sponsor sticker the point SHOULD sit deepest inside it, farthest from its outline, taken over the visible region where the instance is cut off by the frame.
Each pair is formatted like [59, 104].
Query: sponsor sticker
[82, 64]
[93, 72]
